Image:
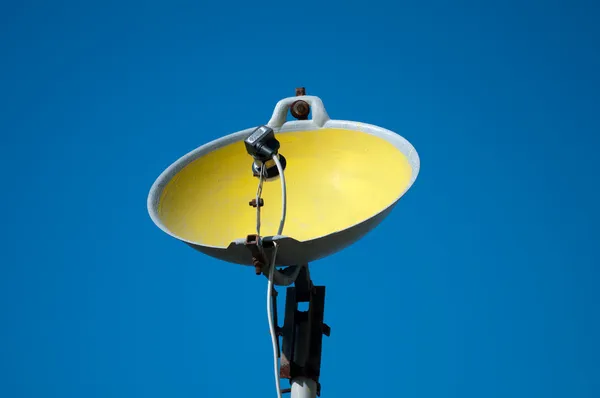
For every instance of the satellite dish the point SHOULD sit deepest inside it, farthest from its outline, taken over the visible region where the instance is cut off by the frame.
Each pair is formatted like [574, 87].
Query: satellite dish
[343, 178]
[338, 179]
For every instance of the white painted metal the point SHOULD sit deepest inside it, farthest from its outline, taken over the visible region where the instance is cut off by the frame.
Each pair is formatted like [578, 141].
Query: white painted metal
[304, 388]
[319, 114]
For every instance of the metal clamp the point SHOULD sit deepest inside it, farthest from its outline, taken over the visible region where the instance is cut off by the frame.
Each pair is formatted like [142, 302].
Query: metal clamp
[303, 331]
[261, 251]
[253, 243]
[319, 114]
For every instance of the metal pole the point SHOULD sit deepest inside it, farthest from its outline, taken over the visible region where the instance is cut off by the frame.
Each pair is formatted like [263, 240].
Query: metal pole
[302, 336]
[303, 387]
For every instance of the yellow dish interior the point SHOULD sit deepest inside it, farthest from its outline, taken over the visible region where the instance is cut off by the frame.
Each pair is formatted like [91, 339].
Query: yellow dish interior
[335, 178]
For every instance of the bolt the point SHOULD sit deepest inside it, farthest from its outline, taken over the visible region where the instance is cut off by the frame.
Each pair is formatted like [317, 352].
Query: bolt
[257, 265]
[300, 110]
[261, 202]
[300, 91]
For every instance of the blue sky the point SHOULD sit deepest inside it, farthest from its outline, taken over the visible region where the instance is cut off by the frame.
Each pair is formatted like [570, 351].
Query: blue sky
[482, 282]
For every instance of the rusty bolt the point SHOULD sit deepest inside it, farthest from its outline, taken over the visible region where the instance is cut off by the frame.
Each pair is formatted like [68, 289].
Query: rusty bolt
[300, 91]
[261, 202]
[300, 110]
[257, 265]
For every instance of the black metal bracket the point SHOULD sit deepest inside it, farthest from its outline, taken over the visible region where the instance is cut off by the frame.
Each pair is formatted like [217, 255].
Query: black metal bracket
[303, 331]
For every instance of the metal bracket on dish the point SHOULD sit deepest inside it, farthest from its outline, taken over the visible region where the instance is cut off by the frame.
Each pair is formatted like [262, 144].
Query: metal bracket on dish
[257, 246]
[302, 331]
[254, 244]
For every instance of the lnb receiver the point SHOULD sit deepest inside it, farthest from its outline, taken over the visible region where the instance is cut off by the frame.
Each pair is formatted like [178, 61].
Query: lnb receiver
[262, 145]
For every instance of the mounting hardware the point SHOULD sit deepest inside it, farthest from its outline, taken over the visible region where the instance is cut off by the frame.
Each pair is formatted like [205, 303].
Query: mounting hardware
[270, 167]
[303, 331]
[258, 256]
[300, 109]
[261, 202]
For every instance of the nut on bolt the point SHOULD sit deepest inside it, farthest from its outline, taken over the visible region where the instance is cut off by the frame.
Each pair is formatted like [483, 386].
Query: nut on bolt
[261, 202]
[300, 110]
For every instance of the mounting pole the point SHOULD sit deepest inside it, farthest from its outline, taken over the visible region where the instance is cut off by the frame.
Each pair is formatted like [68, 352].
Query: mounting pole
[303, 387]
[302, 336]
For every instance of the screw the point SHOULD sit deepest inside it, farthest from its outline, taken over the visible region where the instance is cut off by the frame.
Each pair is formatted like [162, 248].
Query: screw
[261, 202]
